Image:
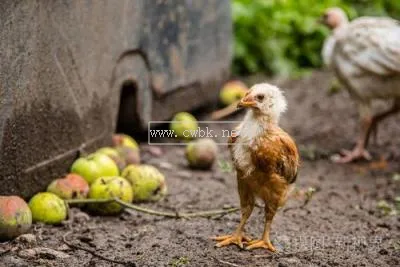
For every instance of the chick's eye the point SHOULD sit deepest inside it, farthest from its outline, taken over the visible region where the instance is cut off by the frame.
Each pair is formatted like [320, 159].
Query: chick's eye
[260, 97]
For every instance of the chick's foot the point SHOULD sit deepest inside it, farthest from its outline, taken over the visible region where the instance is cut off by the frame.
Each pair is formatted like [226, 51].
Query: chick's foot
[261, 244]
[236, 239]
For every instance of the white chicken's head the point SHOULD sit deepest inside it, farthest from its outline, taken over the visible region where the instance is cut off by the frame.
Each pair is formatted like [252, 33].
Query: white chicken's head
[265, 100]
[334, 17]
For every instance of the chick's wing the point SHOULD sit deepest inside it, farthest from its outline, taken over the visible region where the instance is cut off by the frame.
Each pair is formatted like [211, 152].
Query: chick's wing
[276, 153]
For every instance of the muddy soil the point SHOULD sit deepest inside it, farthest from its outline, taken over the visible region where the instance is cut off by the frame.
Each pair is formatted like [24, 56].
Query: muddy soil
[340, 226]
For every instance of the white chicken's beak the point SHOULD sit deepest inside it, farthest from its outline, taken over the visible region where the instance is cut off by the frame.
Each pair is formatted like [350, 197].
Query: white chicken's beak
[247, 102]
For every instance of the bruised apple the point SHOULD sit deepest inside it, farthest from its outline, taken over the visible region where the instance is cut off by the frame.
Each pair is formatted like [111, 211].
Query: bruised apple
[72, 186]
[15, 217]
[148, 183]
[201, 153]
[108, 188]
[48, 208]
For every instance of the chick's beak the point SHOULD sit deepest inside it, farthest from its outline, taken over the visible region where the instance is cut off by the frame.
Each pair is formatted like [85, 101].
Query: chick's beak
[247, 102]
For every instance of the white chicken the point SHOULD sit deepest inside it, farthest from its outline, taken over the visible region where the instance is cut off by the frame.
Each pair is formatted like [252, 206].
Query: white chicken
[365, 56]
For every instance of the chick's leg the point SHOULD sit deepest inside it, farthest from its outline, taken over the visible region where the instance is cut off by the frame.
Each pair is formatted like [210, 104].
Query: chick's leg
[247, 202]
[265, 242]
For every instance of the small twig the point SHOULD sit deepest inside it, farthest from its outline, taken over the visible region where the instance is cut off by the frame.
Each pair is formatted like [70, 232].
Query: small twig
[302, 206]
[177, 215]
[309, 194]
[226, 111]
[94, 253]
[282, 255]
[4, 252]
[227, 263]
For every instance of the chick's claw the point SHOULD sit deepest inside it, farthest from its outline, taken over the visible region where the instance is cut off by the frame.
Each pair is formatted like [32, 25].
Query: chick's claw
[236, 239]
[260, 244]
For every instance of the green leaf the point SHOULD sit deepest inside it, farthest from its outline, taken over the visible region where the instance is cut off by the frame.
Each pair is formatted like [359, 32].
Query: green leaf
[282, 36]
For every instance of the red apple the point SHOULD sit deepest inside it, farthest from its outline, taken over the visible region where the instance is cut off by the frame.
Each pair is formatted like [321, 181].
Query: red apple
[70, 187]
[15, 217]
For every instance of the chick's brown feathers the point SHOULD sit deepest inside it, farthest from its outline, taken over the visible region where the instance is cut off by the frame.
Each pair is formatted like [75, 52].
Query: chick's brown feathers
[276, 153]
[266, 160]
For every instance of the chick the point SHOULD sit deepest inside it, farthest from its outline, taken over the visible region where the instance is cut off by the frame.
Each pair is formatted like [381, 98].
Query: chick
[266, 160]
[365, 56]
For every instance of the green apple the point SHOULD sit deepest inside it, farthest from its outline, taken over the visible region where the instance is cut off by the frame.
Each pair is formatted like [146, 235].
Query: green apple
[115, 156]
[232, 91]
[94, 166]
[109, 151]
[15, 217]
[124, 140]
[72, 186]
[107, 188]
[184, 124]
[147, 182]
[201, 153]
[48, 208]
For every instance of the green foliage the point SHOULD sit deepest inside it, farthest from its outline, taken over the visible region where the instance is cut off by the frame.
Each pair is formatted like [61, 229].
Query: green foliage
[225, 166]
[283, 37]
[181, 261]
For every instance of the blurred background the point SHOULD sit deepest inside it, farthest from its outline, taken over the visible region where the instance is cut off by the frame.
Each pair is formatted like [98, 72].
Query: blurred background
[283, 37]
[80, 80]
[80, 71]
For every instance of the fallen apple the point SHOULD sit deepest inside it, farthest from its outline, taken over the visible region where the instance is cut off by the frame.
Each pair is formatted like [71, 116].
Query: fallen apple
[108, 188]
[48, 208]
[94, 166]
[124, 140]
[148, 183]
[72, 186]
[115, 156]
[15, 217]
[201, 153]
[129, 155]
[232, 91]
[184, 125]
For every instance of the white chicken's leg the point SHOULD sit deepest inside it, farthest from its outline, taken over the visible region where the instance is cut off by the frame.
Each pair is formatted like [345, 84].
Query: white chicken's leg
[381, 116]
[368, 124]
[359, 151]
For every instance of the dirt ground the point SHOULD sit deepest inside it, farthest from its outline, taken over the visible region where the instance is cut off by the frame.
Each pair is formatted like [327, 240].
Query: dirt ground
[340, 226]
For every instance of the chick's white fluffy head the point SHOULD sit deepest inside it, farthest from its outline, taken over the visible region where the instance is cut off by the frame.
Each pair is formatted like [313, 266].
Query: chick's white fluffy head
[270, 100]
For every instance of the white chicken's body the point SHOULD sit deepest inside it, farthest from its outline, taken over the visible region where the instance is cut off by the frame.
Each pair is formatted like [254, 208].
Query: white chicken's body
[327, 51]
[365, 55]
